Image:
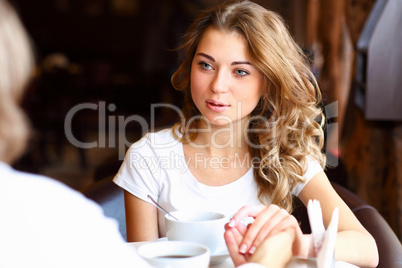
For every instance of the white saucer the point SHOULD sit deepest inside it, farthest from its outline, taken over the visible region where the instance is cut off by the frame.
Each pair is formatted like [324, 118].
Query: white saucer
[219, 256]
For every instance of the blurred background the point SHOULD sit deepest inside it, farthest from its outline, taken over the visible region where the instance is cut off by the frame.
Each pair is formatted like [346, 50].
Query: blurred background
[101, 62]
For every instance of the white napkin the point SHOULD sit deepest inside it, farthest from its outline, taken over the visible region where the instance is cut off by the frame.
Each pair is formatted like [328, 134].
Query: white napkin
[323, 240]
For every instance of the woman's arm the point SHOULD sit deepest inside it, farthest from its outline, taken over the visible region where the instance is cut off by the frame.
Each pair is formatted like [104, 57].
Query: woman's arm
[141, 219]
[353, 243]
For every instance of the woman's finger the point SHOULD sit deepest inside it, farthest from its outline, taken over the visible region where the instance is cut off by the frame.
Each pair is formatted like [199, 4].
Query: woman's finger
[281, 222]
[240, 227]
[236, 235]
[265, 222]
[246, 211]
[276, 221]
[288, 224]
[233, 239]
[263, 217]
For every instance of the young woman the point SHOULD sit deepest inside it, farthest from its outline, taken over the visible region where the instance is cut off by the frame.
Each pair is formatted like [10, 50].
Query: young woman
[48, 223]
[248, 136]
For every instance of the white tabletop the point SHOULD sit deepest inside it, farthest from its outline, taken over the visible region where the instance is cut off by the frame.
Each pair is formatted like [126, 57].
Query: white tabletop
[295, 263]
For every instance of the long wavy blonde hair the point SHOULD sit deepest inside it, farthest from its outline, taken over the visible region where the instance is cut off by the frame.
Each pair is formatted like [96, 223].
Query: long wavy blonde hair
[16, 64]
[284, 124]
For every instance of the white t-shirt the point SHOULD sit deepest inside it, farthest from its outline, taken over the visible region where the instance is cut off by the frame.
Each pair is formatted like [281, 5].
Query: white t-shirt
[155, 165]
[45, 224]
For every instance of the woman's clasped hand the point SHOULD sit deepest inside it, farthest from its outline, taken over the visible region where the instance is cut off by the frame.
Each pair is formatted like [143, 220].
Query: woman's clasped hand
[274, 231]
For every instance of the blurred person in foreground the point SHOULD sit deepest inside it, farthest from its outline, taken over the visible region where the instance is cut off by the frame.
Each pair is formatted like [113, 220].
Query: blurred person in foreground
[43, 222]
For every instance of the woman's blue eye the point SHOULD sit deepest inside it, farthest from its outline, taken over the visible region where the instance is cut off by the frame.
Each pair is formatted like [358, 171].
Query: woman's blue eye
[205, 66]
[241, 72]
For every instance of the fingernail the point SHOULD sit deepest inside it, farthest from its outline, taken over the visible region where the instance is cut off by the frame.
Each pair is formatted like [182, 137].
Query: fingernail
[243, 249]
[252, 250]
[232, 223]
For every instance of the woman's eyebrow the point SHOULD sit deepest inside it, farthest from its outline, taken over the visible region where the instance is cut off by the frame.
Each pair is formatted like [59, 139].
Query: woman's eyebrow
[212, 59]
[240, 62]
[206, 56]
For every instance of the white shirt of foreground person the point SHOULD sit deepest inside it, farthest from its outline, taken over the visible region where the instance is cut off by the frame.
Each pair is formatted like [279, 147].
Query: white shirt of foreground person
[46, 224]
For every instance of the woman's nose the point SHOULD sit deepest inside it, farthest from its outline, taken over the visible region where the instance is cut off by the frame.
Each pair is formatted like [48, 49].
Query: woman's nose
[220, 82]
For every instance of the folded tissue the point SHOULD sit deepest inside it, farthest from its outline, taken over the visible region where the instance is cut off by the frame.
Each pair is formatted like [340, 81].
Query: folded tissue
[323, 240]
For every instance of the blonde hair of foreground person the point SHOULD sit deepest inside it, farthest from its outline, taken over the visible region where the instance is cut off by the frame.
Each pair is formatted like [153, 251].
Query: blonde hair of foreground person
[16, 63]
[283, 123]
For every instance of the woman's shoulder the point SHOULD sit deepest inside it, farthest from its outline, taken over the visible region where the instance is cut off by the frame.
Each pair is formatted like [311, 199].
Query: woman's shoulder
[313, 167]
[29, 185]
[7, 171]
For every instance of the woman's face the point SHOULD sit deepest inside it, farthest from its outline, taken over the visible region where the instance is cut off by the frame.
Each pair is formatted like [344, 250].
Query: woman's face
[225, 86]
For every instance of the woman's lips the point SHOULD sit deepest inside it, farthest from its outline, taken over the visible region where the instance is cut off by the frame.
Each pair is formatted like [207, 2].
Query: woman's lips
[217, 106]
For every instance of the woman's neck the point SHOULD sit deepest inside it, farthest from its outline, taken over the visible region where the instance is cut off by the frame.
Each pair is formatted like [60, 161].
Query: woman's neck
[224, 141]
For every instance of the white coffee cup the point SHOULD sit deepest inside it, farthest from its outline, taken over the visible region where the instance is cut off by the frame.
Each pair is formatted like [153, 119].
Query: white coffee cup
[203, 227]
[177, 254]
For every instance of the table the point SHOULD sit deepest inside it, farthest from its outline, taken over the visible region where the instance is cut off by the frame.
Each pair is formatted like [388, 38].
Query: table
[295, 263]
